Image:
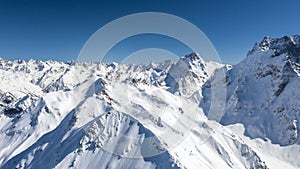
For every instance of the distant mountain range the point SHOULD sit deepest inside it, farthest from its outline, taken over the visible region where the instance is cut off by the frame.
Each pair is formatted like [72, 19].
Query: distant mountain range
[188, 114]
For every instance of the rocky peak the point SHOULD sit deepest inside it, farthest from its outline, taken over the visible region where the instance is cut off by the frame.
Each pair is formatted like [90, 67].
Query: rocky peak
[265, 43]
[288, 45]
[262, 87]
[193, 58]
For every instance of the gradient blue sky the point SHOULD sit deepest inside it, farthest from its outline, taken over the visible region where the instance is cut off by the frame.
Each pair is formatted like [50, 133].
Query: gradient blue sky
[57, 30]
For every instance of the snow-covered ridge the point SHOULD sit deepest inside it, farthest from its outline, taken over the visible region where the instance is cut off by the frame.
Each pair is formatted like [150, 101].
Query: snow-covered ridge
[53, 76]
[56, 114]
[97, 115]
[262, 91]
[289, 45]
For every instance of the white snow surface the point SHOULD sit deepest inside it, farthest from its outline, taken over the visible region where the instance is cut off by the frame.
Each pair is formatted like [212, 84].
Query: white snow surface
[118, 116]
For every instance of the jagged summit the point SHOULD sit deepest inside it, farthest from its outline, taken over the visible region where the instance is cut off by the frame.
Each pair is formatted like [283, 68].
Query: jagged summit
[81, 110]
[289, 45]
[98, 115]
[194, 56]
[262, 91]
[194, 60]
[281, 52]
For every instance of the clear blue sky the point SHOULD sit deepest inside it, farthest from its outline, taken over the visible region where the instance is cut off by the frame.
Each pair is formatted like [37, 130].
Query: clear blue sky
[57, 30]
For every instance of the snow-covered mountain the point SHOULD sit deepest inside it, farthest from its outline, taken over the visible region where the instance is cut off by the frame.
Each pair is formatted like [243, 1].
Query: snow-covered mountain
[262, 91]
[97, 115]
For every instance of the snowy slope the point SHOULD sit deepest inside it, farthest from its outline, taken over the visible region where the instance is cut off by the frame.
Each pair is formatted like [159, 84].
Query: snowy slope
[97, 115]
[263, 95]
[262, 91]
[67, 128]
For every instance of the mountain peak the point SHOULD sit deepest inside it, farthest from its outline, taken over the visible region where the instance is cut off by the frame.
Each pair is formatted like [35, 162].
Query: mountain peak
[265, 44]
[91, 115]
[194, 56]
[289, 45]
[261, 86]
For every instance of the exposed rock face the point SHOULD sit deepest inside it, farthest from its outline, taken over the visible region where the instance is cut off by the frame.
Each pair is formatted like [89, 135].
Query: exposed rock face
[97, 115]
[262, 91]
